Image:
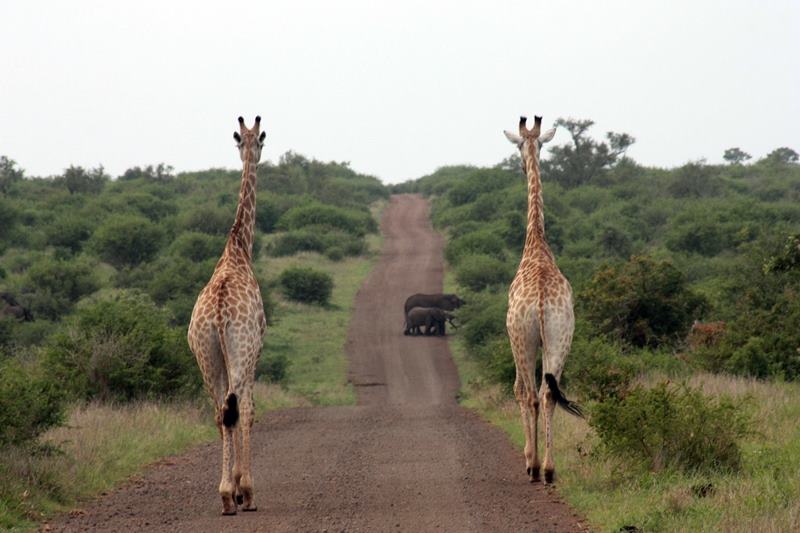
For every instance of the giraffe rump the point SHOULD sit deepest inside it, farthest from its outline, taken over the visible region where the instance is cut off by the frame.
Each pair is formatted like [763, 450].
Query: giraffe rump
[570, 407]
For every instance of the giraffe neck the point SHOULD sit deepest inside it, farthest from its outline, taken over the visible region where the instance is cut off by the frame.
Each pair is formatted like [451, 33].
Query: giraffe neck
[535, 242]
[243, 230]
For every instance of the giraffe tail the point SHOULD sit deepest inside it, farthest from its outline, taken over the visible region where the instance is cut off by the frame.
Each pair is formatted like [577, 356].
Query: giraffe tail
[570, 407]
[230, 411]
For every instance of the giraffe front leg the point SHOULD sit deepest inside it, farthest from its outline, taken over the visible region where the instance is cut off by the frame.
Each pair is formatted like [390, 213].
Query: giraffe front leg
[246, 482]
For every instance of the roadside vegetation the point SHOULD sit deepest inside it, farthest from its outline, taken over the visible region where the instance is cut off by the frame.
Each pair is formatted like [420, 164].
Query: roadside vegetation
[687, 342]
[96, 377]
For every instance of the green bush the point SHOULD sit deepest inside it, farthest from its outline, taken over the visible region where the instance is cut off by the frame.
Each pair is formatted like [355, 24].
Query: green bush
[484, 318]
[127, 240]
[479, 242]
[69, 231]
[120, 349]
[334, 253]
[272, 367]
[316, 239]
[497, 361]
[478, 272]
[31, 403]
[597, 371]
[197, 246]
[352, 221]
[208, 218]
[642, 302]
[306, 285]
[670, 426]
[52, 286]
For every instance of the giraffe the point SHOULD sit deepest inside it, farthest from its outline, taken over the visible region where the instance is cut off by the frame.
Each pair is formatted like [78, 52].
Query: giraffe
[540, 314]
[226, 331]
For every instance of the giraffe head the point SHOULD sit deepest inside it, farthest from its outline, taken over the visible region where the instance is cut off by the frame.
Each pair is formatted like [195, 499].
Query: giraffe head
[249, 140]
[530, 141]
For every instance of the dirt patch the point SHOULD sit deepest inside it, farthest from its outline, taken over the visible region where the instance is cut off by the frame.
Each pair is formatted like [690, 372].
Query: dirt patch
[406, 458]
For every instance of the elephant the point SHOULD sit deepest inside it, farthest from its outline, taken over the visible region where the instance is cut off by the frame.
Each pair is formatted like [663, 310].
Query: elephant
[432, 318]
[448, 302]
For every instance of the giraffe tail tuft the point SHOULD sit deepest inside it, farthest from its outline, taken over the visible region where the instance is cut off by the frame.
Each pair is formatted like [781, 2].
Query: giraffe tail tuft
[570, 407]
[230, 411]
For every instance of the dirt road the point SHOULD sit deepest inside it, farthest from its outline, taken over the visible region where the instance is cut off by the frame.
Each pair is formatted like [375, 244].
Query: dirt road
[406, 458]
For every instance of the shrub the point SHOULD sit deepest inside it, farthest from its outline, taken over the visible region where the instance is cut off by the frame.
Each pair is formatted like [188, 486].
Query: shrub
[8, 217]
[272, 367]
[69, 231]
[316, 239]
[349, 220]
[197, 246]
[478, 272]
[479, 242]
[484, 317]
[306, 285]
[127, 240]
[597, 371]
[497, 361]
[53, 286]
[121, 349]
[209, 219]
[31, 403]
[642, 302]
[334, 253]
[670, 426]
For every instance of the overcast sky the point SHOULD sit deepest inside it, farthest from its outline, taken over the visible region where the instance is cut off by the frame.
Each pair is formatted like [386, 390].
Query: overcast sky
[398, 89]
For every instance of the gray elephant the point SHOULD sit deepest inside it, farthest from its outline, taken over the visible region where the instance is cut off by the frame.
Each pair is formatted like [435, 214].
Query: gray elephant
[448, 302]
[432, 318]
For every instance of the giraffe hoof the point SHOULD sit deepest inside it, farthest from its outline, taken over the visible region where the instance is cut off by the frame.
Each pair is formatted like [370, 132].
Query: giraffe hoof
[250, 509]
[549, 476]
[533, 472]
[229, 513]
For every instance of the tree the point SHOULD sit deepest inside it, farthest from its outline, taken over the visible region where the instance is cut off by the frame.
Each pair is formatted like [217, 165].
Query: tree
[585, 159]
[8, 173]
[52, 286]
[642, 302]
[80, 180]
[735, 156]
[160, 172]
[788, 258]
[127, 240]
[784, 155]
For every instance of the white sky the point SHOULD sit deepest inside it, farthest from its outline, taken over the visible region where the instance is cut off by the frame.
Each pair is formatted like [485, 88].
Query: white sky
[398, 89]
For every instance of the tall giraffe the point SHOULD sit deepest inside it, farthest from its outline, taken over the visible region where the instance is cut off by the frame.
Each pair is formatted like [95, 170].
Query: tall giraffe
[226, 332]
[540, 314]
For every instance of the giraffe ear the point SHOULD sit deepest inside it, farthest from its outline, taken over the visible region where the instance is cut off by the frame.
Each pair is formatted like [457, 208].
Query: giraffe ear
[262, 137]
[547, 136]
[237, 137]
[513, 138]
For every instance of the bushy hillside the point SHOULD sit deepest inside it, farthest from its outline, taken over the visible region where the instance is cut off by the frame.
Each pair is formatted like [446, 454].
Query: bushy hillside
[648, 251]
[107, 270]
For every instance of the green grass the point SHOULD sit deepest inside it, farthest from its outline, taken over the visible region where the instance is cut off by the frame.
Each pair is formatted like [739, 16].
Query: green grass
[102, 445]
[313, 337]
[764, 496]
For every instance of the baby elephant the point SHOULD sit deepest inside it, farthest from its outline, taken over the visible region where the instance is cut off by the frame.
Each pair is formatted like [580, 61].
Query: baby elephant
[432, 318]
